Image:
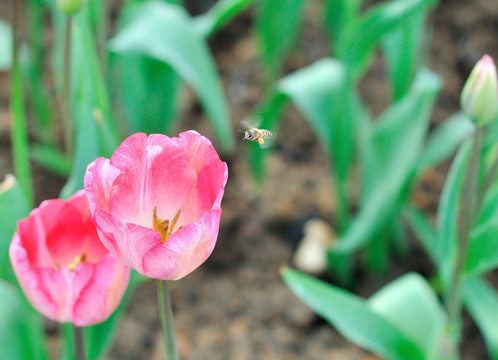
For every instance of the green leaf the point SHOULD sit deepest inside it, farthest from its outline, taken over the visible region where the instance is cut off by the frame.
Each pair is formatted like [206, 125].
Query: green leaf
[489, 208]
[5, 45]
[445, 139]
[277, 24]
[361, 38]
[13, 207]
[410, 304]
[318, 92]
[152, 102]
[166, 33]
[338, 15]
[353, 317]
[221, 12]
[481, 301]
[96, 134]
[51, 158]
[395, 145]
[448, 210]
[482, 255]
[21, 328]
[402, 49]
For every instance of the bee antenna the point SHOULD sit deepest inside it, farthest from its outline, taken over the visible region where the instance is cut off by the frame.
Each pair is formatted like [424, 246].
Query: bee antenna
[241, 131]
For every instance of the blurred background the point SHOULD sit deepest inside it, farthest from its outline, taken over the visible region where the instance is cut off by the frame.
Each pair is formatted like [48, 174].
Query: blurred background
[236, 306]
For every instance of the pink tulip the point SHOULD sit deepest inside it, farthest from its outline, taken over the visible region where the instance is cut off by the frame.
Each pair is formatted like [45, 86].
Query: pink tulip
[63, 268]
[156, 202]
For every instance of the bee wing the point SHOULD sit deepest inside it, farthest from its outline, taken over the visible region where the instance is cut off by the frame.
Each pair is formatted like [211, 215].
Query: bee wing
[251, 122]
[269, 142]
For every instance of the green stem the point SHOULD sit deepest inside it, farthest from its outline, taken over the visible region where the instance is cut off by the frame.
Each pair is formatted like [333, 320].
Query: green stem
[20, 143]
[79, 343]
[342, 207]
[468, 213]
[66, 88]
[166, 315]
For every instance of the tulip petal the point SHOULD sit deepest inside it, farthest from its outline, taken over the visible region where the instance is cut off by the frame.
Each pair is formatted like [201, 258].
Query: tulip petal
[134, 240]
[99, 178]
[28, 279]
[155, 172]
[102, 292]
[185, 250]
[59, 261]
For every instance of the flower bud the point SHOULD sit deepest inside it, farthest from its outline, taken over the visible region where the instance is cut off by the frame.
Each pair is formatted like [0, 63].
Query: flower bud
[479, 98]
[70, 7]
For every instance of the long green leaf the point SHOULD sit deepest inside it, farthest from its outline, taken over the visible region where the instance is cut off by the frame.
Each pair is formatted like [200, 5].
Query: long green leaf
[13, 207]
[353, 317]
[318, 91]
[411, 305]
[165, 32]
[19, 131]
[489, 208]
[356, 46]
[338, 15]
[482, 255]
[96, 134]
[152, 101]
[277, 23]
[395, 147]
[445, 139]
[448, 210]
[39, 98]
[221, 12]
[481, 300]
[21, 328]
[51, 158]
[402, 49]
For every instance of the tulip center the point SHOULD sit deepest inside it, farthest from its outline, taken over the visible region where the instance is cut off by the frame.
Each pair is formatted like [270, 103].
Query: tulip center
[77, 260]
[165, 228]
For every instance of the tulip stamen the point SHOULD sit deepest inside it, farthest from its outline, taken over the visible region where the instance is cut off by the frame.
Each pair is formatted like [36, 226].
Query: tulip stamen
[163, 226]
[77, 260]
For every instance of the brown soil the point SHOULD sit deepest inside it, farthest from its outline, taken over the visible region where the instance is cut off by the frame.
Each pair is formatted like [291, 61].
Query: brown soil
[236, 306]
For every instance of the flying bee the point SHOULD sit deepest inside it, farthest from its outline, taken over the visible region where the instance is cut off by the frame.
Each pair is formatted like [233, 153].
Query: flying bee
[252, 133]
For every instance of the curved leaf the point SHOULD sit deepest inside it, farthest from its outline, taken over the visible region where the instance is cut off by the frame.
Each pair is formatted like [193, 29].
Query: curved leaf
[95, 132]
[482, 255]
[449, 205]
[410, 304]
[481, 299]
[277, 23]
[166, 33]
[356, 46]
[395, 146]
[21, 328]
[353, 317]
[221, 12]
[445, 139]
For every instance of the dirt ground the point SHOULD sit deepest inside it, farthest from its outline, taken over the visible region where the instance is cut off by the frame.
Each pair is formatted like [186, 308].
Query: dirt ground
[236, 306]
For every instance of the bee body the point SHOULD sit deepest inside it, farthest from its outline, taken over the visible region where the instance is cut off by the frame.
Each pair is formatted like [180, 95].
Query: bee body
[257, 135]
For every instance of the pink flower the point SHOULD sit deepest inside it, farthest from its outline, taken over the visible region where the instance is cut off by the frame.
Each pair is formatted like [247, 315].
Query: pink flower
[63, 268]
[156, 202]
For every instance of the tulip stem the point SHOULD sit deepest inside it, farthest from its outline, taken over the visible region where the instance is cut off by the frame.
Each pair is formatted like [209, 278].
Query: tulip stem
[468, 213]
[166, 314]
[79, 343]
